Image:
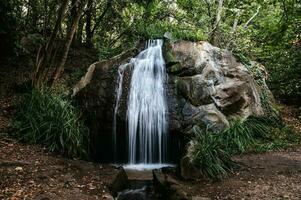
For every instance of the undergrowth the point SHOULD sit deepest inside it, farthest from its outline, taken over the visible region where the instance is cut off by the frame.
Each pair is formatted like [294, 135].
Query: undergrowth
[48, 118]
[212, 151]
[209, 154]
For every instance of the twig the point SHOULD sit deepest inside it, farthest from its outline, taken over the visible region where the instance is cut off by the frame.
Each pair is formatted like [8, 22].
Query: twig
[251, 19]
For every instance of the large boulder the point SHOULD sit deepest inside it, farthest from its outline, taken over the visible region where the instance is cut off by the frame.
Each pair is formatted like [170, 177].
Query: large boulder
[206, 86]
[209, 87]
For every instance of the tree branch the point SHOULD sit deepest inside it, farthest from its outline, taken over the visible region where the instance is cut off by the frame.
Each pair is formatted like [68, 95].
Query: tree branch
[251, 19]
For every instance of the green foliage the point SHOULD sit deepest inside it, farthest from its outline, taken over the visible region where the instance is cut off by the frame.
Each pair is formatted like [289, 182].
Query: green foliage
[238, 137]
[212, 151]
[278, 138]
[48, 118]
[209, 154]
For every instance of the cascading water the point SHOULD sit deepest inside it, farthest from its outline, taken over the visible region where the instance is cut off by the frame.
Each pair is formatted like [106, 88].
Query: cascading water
[147, 109]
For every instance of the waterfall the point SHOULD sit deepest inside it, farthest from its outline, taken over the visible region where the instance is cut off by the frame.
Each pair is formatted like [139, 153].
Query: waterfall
[147, 109]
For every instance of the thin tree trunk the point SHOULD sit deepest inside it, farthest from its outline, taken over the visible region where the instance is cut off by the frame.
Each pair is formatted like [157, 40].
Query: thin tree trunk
[45, 52]
[251, 19]
[234, 27]
[79, 36]
[74, 7]
[33, 14]
[88, 24]
[59, 70]
[214, 37]
[233, 30]
[102, 16]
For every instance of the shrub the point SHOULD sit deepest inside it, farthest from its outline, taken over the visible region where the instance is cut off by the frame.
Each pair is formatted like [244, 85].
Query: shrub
[278, 138]
[48, 118]
[237, 137]
[209, 155]
[211, 151]
[242, 134]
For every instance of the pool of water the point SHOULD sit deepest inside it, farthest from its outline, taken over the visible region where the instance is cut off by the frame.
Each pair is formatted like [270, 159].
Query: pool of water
[142, 167]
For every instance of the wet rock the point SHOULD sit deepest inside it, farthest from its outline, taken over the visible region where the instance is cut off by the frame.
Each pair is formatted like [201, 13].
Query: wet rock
[138, 194]
[119, 182]
[107, 197]
[200, 198]
[167, 187]
[188, 170]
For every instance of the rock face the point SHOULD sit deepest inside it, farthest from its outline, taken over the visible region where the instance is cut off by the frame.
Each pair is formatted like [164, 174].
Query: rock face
[206, 87]
[95, 95]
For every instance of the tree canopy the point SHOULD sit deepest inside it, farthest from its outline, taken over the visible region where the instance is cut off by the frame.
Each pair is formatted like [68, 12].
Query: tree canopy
[267, 31]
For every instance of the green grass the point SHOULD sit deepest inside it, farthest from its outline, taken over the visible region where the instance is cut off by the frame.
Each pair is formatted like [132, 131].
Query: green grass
[48, 118]
[211, 151]
[209, 154]
[278, 138]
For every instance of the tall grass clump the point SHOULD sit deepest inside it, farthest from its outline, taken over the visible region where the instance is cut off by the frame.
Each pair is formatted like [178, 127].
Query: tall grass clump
[48, 118]
[210, 155]
[211, 151]
[242, 134]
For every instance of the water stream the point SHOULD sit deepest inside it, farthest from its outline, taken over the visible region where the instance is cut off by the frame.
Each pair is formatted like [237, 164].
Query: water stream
[147, 109]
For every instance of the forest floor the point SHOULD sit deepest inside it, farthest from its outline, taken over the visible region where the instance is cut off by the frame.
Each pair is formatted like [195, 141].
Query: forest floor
[30, 172]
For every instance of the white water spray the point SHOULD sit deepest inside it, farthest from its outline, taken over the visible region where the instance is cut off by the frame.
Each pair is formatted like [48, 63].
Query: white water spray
[147, 109]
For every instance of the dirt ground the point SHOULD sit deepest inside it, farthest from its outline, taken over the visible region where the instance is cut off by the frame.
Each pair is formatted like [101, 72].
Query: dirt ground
[30, 172]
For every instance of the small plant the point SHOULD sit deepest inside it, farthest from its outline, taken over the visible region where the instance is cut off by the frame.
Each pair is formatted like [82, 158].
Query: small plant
[242, 134]
[237, 138]
[50, 119]
[209, 154]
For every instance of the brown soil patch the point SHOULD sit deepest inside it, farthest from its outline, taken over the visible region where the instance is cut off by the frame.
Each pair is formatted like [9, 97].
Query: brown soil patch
[30, 172]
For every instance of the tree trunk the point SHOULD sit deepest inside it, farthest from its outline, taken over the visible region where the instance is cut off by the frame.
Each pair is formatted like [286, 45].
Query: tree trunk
[233, 31]
[89, 30]
[45, 52]
[79, 36]
[59, 70]
[33, 14]
[74, 8]
[214, 34]
[88, 24]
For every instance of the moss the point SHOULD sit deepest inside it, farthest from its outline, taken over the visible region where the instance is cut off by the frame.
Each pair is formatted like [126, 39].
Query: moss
[170, 59]
[175, 68]
[172, 63]
[181, 87]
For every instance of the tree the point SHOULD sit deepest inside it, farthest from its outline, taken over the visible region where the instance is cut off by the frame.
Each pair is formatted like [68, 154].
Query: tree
[46, 51]
[58, 71]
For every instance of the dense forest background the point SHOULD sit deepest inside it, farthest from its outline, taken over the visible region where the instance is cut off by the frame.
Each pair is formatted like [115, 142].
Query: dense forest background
[267, 31]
